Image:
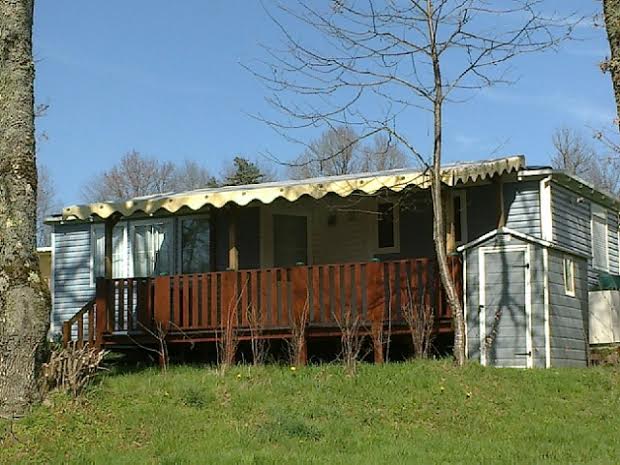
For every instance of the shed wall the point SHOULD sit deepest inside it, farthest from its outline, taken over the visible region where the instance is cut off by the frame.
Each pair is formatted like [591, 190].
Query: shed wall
[72, 280]
[568, 315]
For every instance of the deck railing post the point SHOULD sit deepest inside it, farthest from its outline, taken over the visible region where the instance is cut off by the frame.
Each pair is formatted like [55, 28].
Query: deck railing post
[161, 299]
[66, 333]
[101, 316]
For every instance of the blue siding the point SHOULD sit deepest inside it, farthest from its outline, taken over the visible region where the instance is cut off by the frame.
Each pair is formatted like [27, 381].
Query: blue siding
[571, 215]
[568, 316]
[522, 204]
[72, 279]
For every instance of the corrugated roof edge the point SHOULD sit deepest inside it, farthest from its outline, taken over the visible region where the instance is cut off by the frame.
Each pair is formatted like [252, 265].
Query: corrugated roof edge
[344, 185]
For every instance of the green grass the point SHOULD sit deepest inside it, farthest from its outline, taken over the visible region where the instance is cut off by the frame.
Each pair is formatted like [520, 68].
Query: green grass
[422, 412]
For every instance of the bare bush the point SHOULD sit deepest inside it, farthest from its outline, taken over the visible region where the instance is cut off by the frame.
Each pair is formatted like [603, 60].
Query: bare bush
[297, 343]
[420, 319]
[258, 342]
[351, 339]
[71, 368]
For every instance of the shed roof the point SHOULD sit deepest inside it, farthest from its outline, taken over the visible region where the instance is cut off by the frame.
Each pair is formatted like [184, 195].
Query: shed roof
[519, 235]
[367, 183]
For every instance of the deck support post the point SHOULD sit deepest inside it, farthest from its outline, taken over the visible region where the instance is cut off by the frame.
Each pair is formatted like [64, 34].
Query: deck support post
[101, 305]
[377, 343]
[108, 245]
[448, 208]
[233, 250]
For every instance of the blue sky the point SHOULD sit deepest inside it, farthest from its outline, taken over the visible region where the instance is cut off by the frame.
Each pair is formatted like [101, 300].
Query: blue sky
[164, 78]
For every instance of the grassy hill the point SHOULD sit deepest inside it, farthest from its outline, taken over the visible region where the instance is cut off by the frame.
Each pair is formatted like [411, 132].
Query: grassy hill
[422, 412]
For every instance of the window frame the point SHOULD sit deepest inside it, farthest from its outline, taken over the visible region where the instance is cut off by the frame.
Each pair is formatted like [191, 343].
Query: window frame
[396, 225]
[131, 238]
[600, 214]
[95, 230]
[569, 284]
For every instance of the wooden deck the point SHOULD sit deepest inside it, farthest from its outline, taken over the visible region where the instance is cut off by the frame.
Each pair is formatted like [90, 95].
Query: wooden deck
[199, 307]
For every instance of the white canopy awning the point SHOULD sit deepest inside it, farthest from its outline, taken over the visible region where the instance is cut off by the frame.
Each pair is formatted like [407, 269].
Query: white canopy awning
[367, 183]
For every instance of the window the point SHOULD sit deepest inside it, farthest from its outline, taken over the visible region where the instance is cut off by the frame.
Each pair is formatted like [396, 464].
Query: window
[290, 239]
[195, 244]
[152, 248]
[119, 251]
[459, 210]
[387, 226]
[569, 276]
[600, 255]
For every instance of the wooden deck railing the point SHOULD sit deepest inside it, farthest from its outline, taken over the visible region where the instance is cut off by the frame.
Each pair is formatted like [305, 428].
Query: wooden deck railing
[87, 311]
[272, 299]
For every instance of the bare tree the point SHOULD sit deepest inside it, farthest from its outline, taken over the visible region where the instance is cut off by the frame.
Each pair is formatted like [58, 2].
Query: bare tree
[383, 154]
[572, 153]
[24, 297]
[374, 62]
[577, 156]
[611, 10]
[47, 204]
[339, 151]
[191, 175]
[134, 176]
[334, 152]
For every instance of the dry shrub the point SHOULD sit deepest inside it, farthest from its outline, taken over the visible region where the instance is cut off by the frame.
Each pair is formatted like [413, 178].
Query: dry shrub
[259, 344]
[420, 319]
[72, 367]
[351, 340]
[297, 343]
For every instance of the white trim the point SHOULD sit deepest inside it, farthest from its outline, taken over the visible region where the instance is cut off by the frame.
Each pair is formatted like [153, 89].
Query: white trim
[520, 235]
[528, 298]
[567, 289]
[52, 280]
[546, 307]
[598, 210]
[546, 212]
[482, 312]
[529, 361]
[465, 305]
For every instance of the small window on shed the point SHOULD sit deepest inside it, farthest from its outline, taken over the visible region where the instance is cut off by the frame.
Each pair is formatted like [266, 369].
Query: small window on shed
[569, 276]
[600, 251]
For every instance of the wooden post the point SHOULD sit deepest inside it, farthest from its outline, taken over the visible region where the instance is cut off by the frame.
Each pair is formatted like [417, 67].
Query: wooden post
[162, 301]
[109, 250]
[233, 251]
[448, 208]
[501, 210]
[101, 318]
[66, 333]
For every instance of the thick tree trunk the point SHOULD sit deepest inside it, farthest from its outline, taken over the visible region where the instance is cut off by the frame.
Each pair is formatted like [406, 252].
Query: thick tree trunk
[439, 229]
[24, 298]
[612, 23]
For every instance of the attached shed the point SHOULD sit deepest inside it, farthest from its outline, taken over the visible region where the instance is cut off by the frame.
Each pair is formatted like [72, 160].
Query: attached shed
[526, 302]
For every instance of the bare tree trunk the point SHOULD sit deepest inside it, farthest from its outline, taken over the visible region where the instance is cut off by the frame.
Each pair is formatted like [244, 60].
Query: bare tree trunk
[439, 230]
[24, 298]
[611, 9]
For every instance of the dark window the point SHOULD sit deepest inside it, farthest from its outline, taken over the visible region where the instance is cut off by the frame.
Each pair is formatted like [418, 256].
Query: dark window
[290, 238]
[195, 245]
[386, 225]
[458, 211]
